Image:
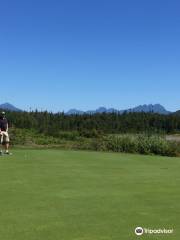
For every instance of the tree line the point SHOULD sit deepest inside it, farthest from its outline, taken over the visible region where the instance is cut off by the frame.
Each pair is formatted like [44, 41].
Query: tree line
[87, 125]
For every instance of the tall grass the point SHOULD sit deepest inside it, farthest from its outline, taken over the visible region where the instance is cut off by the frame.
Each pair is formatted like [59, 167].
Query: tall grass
[141, 143]
[127, 143]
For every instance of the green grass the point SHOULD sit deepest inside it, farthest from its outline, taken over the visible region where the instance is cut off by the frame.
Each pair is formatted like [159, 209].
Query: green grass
[76, 195]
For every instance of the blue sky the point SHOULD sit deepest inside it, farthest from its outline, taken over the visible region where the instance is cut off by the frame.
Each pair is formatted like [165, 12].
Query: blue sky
[62, 54]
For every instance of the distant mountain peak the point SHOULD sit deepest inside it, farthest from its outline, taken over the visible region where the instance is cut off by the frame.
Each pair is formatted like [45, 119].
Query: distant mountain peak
[74, 111]
[9, 107]
[101, 110]
[156, 108]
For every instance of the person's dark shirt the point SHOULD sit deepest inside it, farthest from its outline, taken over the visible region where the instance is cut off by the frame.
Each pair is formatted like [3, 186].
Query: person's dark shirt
[3, 124]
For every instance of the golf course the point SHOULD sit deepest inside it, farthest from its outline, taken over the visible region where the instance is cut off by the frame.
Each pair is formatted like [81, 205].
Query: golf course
[81, 195]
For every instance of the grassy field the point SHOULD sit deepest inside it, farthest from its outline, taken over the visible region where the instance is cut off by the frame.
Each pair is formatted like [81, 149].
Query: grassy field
[71, 195]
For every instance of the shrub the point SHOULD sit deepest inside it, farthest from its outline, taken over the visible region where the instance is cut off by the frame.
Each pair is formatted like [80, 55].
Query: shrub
[74, 135]
[137, 143]
[143, 144]
[122, 143]
[90, 133]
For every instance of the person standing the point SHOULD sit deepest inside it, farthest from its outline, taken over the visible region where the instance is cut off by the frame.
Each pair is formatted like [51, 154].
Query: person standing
[4, 136]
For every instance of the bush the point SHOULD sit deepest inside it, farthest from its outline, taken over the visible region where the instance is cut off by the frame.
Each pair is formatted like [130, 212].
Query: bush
[68, 135]
[127, 143]
[90, 133]
[122, 143]
[143, 144]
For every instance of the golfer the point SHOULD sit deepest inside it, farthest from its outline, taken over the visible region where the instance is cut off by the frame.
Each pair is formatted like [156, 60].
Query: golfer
[4, 136]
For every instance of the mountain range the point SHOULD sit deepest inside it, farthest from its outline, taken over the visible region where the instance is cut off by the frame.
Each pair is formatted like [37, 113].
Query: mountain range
[156, 108]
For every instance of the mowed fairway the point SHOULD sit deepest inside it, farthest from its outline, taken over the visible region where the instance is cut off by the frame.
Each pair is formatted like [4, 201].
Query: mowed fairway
[71, 195]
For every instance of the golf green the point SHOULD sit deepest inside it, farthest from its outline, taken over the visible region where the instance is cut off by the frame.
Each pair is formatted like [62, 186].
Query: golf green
[76, 195]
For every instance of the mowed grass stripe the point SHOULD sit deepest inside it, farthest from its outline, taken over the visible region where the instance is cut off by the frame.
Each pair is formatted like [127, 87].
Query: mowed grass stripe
[77, 195]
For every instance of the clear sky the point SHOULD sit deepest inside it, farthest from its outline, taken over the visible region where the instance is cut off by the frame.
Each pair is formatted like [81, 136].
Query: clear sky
[62, 54]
